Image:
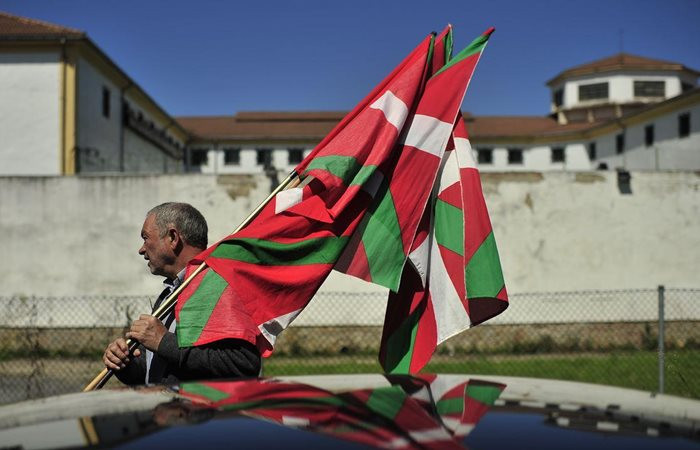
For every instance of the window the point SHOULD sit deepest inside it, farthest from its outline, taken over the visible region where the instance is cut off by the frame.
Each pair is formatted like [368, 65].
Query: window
[686, 86]
[105, 102]
[232, 156]
[592, 153]
[593, 91]
[198, 156]
[558, 155]
[684, 125]
[296, 155]
[263, 156]
[515, 156]
[485, 156]
[649, 89]
[620, 143]
[649, 135]
[558, 97]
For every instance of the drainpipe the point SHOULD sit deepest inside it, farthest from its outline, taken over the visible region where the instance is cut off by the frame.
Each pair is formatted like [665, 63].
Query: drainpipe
[63, 105]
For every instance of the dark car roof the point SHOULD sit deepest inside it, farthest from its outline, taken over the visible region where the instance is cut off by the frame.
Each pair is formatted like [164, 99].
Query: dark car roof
[356, 411]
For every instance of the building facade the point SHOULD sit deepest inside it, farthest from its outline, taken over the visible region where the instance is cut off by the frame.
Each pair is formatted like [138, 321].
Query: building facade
[66, 108]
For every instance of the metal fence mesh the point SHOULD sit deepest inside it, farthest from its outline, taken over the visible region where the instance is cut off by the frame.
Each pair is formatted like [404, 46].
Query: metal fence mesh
[54, 345]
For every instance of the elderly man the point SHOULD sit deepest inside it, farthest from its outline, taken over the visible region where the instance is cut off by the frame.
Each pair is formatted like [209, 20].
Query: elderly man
[173, 233]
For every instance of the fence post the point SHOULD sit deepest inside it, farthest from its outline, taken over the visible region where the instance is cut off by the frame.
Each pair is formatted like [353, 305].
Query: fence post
[661, 339]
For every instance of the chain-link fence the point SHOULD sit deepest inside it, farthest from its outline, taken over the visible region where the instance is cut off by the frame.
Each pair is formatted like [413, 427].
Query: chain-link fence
[54, 345]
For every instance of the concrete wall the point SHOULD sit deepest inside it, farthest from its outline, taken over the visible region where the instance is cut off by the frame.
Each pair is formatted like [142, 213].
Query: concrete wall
[30, 102]
[555, 231]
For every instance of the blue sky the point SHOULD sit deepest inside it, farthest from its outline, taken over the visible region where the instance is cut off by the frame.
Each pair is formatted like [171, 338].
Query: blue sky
[219, 57]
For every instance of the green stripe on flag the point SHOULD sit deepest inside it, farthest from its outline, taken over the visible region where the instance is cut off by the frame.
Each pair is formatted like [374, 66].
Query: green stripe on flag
[483, 273]
[386, 401]
[399, 348]
[203, 390]
[476, 46]
[484, 394]
[449, 227]
[269, 253]
[449, 45]
[197, 309]
[382, 241]
[364, 174]
[343, 167]
[450, 406]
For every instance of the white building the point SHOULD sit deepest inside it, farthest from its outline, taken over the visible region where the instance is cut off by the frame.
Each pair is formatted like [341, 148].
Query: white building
[66, 108]
[622, 112]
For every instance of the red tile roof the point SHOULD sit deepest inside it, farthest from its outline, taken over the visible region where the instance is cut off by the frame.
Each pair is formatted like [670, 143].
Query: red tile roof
[621, 61]
[16, 27]
[313, 126]
[516, 126]
[300, 126]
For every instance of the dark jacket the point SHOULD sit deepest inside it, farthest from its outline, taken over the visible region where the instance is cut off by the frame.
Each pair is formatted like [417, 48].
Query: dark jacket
[228, 358]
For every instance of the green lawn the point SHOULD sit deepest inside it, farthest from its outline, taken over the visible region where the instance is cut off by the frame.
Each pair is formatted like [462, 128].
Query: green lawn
[637, 369]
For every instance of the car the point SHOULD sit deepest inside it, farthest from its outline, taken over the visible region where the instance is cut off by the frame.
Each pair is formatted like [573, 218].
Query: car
[443, 411]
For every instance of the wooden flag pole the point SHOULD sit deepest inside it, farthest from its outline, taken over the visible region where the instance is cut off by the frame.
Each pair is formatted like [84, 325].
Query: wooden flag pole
[168, 304]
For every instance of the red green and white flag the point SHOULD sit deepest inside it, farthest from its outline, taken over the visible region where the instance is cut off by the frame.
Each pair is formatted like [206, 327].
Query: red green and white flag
[260, 278]
[460, 404]
[454, 280]
[378, 251]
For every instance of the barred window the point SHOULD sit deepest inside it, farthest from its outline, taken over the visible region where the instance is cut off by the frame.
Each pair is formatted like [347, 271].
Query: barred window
[684, 125]
[558, 155]
[558, 97]
[232, 156]
[263, 156]
[296, 155]
[649, 89]
[592, 151]
[106, 100]
[515, 156]
[649, 135]
[198, 156]
[485, 156]
[620, 143]
[593, 91]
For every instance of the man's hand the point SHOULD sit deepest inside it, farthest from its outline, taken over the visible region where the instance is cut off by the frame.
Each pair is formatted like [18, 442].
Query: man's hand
[116, 355]
[148, 331]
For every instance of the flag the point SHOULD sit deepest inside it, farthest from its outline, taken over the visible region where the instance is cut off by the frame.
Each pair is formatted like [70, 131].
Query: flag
[259, 279]
[454, 280]
[378, 252]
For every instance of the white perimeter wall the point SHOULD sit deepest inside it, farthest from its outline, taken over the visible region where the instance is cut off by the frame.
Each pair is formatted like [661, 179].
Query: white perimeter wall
[555, 231]
[30, 114]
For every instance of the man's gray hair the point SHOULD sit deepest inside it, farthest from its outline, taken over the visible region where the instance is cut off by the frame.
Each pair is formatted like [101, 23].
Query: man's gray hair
[185, 218]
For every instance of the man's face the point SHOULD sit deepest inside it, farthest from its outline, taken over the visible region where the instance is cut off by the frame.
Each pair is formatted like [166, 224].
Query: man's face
[156, 249]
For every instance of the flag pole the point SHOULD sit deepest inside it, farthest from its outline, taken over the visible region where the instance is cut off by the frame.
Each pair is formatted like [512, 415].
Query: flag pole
[168, 304]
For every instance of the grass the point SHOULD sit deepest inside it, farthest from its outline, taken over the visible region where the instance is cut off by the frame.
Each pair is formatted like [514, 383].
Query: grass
[632, 369]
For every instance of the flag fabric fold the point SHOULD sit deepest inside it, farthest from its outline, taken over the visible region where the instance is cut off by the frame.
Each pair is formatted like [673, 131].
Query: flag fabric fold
[454, 280]
[258, 279]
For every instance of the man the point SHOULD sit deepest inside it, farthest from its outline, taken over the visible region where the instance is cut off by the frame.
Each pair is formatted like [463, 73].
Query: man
[174, 233]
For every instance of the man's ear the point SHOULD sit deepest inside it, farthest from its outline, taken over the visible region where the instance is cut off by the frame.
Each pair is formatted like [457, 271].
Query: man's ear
[175, 239]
